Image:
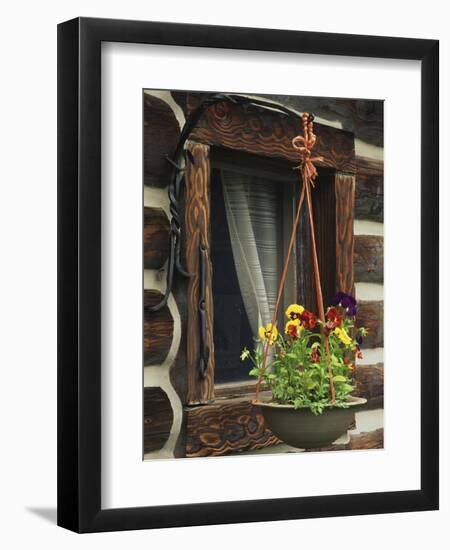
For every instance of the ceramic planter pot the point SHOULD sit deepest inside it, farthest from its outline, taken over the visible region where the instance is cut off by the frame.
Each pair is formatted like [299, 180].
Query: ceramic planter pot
[302, 429]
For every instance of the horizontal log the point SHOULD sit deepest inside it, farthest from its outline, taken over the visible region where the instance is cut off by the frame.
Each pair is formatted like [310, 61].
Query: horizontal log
[177, 370]
[156, 238]
[367, 440]
[369, 166]
[362, 117]
[370, 316]
[368, 258]
[161, 135]
[158, 418]
[360, 441]
[369, 192]
[370, 384]
[158, 330]
[236, 389]
[263, 132]
[226, 426]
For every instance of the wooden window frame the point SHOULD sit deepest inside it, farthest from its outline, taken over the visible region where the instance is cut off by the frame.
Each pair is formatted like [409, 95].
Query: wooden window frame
[265, 134]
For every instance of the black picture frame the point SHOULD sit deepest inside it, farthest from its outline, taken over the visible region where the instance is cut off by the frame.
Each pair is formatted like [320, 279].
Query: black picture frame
[79, 274]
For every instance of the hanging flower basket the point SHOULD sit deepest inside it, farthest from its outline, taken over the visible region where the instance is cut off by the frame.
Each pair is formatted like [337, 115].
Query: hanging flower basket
[311, 374]
[311, 370]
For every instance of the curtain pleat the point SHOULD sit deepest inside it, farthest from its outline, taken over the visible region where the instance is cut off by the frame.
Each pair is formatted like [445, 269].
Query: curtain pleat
[252, 211]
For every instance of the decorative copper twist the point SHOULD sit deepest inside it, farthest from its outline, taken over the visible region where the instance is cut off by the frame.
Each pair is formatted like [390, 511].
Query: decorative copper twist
[304, 145]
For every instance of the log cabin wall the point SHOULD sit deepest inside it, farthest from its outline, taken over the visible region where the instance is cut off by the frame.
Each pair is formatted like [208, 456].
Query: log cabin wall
[163, 410]
[164, 345]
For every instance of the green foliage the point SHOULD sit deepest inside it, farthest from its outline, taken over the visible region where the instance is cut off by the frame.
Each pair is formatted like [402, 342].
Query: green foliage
[298, 373]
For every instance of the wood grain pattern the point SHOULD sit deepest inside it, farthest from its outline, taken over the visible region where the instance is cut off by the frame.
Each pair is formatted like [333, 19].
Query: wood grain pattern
[370, 384]
[267, 133]
[158, 330]
[365, 440]
[197, 231]
[237, 389]
[303, 256]
[369, 197]
[161, 134]
[368, 255]
[363, 117]
[226, 426]
[156, 237]
[326, 226]
[158, 418]
[369, 166]
[345, 202]
[370, 315]
[333, 199]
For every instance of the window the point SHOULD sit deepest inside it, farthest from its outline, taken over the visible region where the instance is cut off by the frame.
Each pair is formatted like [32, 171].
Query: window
[239, 196]
[252, 205]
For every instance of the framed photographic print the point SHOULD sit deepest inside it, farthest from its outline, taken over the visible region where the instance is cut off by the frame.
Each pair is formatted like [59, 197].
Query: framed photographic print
[248, 274]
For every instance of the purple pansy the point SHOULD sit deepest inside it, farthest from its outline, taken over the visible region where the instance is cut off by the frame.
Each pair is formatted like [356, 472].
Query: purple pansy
[337, 298]
[346, 301]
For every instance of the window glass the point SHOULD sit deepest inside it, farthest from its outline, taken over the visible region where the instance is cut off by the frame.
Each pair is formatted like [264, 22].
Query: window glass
[251, 218]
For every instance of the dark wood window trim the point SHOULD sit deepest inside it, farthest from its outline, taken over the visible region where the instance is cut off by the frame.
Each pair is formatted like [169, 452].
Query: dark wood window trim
[197, 231]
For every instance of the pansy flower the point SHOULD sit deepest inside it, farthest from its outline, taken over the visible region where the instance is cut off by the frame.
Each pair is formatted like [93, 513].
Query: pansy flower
[357, 351]
[337, 298]
[293, 328]
[333, 318]
[346, 301]
[308, 319]
[315, 355]
[268, 333]
[294, 311]
[343, 336]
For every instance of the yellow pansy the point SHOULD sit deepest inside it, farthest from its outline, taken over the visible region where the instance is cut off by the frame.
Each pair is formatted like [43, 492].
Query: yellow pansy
[294, 311]
[269, 333]
[343, 336]
[293, 328]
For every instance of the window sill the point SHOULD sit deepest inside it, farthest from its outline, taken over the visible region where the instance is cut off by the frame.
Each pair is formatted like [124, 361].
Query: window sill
[227, 425]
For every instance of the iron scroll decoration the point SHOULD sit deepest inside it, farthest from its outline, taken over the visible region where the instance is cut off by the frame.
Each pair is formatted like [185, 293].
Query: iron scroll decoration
[204, 348]
[178, 162]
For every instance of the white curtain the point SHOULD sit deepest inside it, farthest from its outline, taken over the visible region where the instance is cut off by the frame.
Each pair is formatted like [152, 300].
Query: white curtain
[252, 211]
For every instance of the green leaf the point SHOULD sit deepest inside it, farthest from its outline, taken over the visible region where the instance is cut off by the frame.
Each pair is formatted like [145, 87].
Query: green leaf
[339, 378]
[345, 388]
